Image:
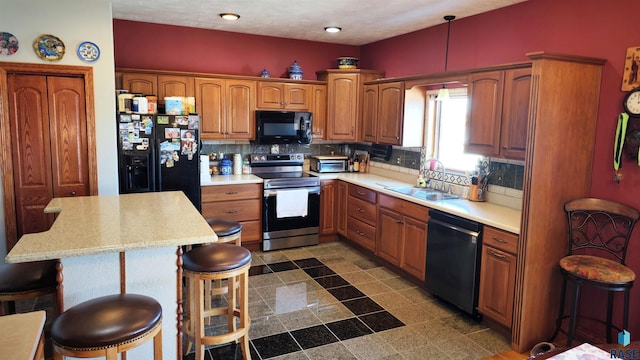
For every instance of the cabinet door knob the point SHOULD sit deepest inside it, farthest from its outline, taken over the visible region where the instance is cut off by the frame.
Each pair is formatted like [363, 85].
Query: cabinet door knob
[360, 210]
[73, 193]
[399, 222]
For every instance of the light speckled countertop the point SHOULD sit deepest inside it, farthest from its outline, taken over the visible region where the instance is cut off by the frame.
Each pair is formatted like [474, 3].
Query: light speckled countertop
[20, 334]
[89, 225]
[498, 216]
[231, 180]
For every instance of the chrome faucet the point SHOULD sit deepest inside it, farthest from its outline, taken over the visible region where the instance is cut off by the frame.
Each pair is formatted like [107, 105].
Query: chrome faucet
[438, 162]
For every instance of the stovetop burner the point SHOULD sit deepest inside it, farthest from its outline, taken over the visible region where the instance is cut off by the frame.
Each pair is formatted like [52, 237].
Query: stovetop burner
[282, 171]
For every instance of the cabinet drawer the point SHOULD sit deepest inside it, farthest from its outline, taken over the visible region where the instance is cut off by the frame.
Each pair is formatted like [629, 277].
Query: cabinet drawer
[361, 233]
[231, 192]
[239, 210]
[362, 193]
[405, 207]
[362, 210]
[500, 239]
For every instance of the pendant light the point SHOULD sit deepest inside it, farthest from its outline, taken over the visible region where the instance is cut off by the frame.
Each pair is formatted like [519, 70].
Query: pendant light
[443, 94]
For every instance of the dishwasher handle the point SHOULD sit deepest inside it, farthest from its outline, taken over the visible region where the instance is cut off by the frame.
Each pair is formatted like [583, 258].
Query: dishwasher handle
[475, 234]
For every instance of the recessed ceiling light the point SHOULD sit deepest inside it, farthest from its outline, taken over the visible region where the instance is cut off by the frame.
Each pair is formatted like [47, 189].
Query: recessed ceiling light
[332, 29]
[230, 16]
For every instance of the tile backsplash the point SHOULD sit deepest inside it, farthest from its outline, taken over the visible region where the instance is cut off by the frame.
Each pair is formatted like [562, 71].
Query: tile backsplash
[505, 180]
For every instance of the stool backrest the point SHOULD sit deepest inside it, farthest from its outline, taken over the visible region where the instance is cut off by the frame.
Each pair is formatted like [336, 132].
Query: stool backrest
[600, 227]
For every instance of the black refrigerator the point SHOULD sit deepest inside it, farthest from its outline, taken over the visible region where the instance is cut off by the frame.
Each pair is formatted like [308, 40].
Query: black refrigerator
[158, 152]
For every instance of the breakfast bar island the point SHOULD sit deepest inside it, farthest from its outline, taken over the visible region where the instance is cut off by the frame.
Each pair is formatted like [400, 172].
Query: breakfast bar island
[114, 244]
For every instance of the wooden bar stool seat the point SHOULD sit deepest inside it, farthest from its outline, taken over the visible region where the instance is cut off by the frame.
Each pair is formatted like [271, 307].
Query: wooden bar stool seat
[226, 263]
[107, 326]
[227, 230]
[25, 281]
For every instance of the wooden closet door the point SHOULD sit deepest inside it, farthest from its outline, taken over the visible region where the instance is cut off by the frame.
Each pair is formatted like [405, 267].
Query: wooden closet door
[68, 136]
[29, 117]
[49, 145]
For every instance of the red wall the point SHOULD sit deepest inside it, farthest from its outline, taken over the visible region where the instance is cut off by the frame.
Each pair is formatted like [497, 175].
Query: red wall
[163, 47]
[584, 27]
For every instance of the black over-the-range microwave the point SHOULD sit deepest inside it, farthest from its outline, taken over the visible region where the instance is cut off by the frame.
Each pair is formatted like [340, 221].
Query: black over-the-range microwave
[283, 127]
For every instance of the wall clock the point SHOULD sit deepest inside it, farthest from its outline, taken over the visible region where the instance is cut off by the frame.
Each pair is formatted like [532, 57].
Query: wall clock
[631, 103]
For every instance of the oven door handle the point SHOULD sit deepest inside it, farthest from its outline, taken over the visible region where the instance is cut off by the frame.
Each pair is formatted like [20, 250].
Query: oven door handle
[310, 190]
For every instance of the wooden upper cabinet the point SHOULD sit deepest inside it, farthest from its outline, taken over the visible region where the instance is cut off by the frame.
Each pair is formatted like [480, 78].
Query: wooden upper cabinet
[390, 113]
[140, 83]
[498, 113]
[285, 96]
[173, 85]
[240, 109]
[226, 108]
[369, 113]
[159, 85]
[515, 113]
[210, 104]
[484, 113]
[319, 110]
[344, 101]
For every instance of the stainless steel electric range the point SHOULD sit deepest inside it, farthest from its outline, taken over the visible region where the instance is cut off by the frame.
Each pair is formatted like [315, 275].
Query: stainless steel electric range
[291, 201]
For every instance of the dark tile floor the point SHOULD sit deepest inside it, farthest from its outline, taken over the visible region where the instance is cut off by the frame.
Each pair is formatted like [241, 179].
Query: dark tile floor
[331, 302]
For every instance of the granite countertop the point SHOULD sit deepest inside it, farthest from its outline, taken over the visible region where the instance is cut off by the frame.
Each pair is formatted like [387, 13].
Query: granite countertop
[89, 225]
[20, 334]
[501, 217]
[231, 180]
[498, 216]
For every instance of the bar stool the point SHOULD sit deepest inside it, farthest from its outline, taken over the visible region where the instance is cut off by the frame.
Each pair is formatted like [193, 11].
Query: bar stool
[220, 262]
[227, 230]
[26, 281]
[107, 326]
[598, 233]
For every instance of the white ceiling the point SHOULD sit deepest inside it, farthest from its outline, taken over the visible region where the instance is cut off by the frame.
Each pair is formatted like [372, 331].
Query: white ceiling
[362, 21]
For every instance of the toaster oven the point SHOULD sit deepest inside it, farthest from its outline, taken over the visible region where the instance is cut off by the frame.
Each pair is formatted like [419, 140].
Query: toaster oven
[328, 163]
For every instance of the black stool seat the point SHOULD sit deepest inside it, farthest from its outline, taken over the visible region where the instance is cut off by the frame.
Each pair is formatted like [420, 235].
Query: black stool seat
[224, 227]
[29, 276]
[106, 321]
[215, 258]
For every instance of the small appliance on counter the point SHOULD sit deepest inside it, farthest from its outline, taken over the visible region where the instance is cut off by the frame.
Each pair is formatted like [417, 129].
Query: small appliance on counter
[328, 163]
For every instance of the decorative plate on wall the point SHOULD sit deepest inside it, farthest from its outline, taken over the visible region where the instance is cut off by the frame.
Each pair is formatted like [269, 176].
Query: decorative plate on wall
[88, 52]
[8, 43]
[49, 47]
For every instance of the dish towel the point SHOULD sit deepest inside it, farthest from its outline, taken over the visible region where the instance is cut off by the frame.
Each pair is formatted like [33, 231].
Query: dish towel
[291, 203]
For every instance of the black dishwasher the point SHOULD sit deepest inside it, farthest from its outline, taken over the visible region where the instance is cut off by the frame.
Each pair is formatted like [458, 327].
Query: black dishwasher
[453, 260]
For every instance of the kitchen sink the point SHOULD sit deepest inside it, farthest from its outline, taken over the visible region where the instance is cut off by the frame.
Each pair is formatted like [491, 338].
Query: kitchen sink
[423, 193]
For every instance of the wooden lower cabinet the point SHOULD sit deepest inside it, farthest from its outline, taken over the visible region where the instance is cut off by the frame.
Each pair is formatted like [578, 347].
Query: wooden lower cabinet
[328, 218]
[242, 203]
[362, 216]
[498, 275]
[390, 234]
[342, 193]
[402, 234]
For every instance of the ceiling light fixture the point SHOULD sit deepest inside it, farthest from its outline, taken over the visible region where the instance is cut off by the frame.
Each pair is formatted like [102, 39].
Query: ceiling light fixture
[230, 16]
[332, 29]
[443, 94]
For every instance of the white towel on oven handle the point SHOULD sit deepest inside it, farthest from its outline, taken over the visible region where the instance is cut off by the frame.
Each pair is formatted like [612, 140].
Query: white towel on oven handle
[291, 203]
